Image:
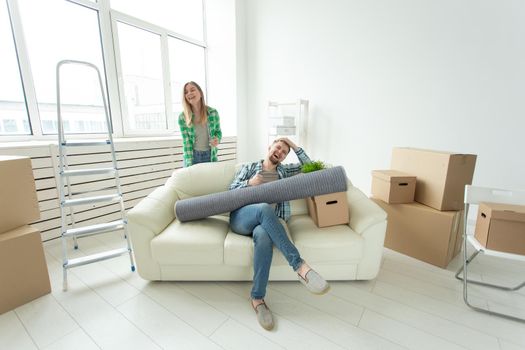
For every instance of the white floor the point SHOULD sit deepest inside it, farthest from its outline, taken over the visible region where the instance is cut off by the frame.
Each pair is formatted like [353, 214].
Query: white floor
[411, 305]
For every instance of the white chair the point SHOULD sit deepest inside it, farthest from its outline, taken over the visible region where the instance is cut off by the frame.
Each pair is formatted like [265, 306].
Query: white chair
[473, 196]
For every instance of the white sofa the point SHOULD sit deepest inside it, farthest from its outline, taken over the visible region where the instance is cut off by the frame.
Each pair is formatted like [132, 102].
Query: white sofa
[166, 249]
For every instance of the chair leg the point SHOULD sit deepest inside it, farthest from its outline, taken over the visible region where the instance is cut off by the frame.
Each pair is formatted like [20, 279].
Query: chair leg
[466, 281]
[480, 283]
[494, 313]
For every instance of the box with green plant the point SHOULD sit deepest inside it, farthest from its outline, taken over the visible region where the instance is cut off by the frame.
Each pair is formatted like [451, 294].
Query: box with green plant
[313, 166]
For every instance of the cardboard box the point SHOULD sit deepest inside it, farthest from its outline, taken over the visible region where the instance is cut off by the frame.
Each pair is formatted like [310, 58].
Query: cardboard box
[18, 200]
[329, 209]
[501, 227]
[393, 186]
[441, 176]
[23, 268]
[423, 232]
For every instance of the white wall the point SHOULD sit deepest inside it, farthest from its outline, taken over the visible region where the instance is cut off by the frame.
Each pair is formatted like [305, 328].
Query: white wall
[243, 81]
[221, 62]
[439, 74]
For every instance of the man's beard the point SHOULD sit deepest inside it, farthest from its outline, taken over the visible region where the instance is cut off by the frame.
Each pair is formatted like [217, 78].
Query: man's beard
[274, 161]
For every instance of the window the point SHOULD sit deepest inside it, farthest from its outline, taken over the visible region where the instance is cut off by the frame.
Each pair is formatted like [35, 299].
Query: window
[186, 64]
[154, 66]
[144, 51]
[74, 34]
[140, 59]
[14, 118]
[180, 16]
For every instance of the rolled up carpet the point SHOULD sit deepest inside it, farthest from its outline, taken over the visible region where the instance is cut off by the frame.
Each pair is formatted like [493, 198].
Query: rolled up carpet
[295, 187]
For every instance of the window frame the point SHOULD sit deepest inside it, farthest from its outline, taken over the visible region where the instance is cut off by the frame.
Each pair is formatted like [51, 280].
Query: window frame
[112, 75]
[164, 34]
[26, 76]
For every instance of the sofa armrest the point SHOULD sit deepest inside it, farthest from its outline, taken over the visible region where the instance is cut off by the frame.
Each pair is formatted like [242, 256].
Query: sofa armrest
[364, 213]
[141, 237]
[155, 212]
[369, 220]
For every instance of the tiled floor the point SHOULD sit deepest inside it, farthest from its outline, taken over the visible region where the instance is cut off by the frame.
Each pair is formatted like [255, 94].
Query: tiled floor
[411, 305]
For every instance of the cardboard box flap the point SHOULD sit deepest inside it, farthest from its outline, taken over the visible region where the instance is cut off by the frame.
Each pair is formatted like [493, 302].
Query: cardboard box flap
[394, 176]
[509, 212]
[3, 157]
[434, 151]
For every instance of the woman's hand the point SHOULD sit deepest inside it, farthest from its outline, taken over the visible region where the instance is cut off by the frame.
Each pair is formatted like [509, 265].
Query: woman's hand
[214, 142]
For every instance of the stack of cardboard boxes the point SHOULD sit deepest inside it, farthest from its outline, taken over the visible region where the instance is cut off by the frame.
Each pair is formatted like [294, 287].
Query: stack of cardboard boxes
[429, 229]
[23, 268]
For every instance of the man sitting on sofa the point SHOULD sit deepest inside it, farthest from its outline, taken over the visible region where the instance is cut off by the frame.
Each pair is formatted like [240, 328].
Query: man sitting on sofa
[262, 220]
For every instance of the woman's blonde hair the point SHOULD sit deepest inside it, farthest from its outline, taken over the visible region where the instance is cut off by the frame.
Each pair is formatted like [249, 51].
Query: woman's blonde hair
[187, 107]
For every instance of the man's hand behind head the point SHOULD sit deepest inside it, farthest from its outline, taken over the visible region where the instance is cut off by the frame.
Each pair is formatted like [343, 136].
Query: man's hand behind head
[289, 142]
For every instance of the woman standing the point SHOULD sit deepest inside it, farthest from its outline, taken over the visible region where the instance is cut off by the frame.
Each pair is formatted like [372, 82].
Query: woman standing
[200, 127]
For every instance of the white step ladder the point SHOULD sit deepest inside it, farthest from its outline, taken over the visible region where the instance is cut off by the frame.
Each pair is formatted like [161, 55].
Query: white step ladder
[70, 230]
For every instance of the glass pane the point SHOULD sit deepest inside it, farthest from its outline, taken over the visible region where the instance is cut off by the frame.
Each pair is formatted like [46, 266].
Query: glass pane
[140, 59]
[50, 38]
[186, 64]
[13, 112]
[181, 16]
[82, 108]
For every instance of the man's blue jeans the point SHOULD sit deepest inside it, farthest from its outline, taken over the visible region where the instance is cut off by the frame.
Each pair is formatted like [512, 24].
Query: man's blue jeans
[260, 219]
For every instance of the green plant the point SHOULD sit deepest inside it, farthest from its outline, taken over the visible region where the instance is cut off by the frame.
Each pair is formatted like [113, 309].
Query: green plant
[312, 166]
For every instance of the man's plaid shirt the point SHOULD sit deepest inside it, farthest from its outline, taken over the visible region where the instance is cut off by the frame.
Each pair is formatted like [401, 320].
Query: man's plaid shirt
[249, 170]
[188, 135]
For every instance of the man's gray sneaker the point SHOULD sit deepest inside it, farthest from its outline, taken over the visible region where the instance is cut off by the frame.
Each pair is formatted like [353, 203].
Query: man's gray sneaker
[264, 316]
[314, 282]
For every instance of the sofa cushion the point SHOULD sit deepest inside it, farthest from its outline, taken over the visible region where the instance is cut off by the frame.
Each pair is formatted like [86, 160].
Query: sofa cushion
[328, 245]
[199, 242]
[201, 179]
[298, 207]
[238, 249]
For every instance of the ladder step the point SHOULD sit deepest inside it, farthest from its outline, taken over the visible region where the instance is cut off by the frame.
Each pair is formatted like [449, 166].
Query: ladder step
[86, 143]
[95, 229]
[110, 254]
[94, 171]
[90, 200]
